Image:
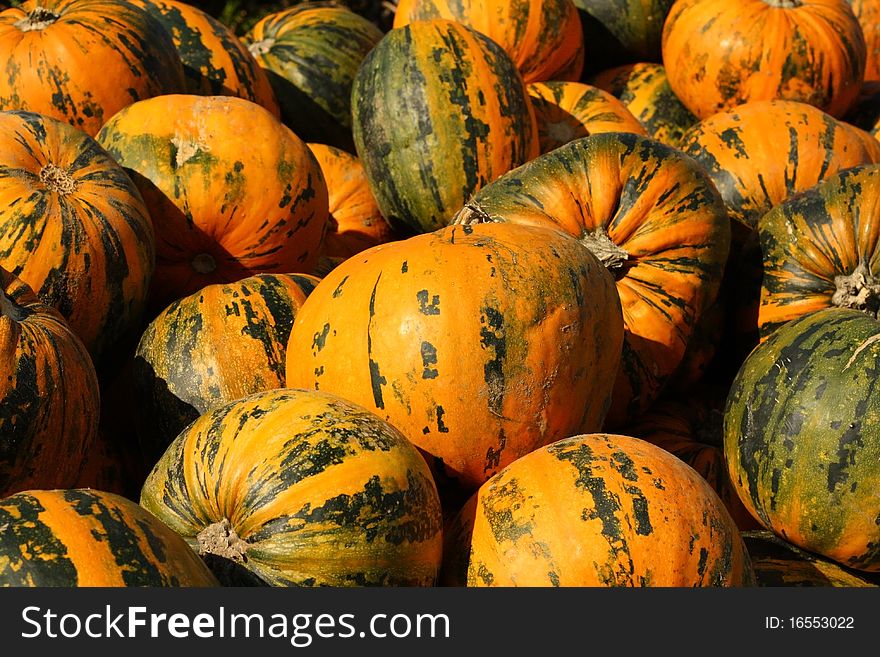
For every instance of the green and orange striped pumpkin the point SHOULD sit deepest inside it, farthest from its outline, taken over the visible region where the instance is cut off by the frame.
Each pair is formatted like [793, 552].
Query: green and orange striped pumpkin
[215, 61]
[596, 510]
[565, 111]
[644, 90]
[221, 343]
[543, 37]
[821, 249]
[723, 53]
[480, 343]
[311, 53]
[655, 220]
[49, 397]
[75, 228]
[81, 61]
[439, 110]
[301, 488]
[88, 538]
[802, 435]
[221, 211]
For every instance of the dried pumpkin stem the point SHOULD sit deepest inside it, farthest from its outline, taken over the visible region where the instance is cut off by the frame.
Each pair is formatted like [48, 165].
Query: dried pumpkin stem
[57, 179]
[8, 308]
[38, 19]
[608, 253]
[220, 539]
[784, 4]
[471, 214]
[859, 290]
[261, 47]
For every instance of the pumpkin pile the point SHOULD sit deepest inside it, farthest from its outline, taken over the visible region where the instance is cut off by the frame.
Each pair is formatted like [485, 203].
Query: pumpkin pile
[505, 293]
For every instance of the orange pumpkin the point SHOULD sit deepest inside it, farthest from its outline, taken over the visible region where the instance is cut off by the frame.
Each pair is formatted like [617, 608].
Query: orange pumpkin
[565, 111]
[221, 212]
[723, 53]
[542, 37]
[868, 14]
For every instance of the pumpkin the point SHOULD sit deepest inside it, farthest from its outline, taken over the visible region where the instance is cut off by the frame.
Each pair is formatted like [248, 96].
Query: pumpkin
[311, 53]
[355, 222]
[75, 228]
[542, 37]
[867, 12]
[221, 212]
[691, 428]
[86, 538]
[596, 510]
[49, 397]
[801, 435]
[439, 110]
[820, 249]
[779, 563]
[565, 111]
[723, 53]
[480, 343]
[654, 219]
[644, 90]
[219, 344]
[619, 32]
[301, 488]
[865, 112]
[68, 60]
[215, 61]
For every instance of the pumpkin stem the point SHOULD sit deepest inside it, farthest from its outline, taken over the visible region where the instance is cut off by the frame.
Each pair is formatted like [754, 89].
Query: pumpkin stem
[220, 539]
[601, 246]
[471, 214]
[57, 179]
[8, 308]
[859, 290]
[38, 19]
[261, 47]
[784, 4]
[204, 263]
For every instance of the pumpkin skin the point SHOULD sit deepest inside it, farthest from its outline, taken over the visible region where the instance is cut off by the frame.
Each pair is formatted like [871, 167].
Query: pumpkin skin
[215, 61]
[224, 342]
[68, 60]
[655, 220]
[311, 54]
[355, 222]
[801, 435]
[480, 343]
[439, 110]
[867, 12]
[865, 112]
[619, 32]
[49, 396]
[220, 212]
[720, 54]
[75, 228]
[87, 538]
[596, 510]
[301, 488]
[644, 90]
[565, 111]
[779, 563]
[543, 37]
[820, 249]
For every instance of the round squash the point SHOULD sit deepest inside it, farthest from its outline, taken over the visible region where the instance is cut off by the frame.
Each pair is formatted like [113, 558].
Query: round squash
[68, 60]
[802, 435]
[311, 53]
[821, 248]
[565, 111]
[653, 218]
[224, 342]
[75, 228]
[215, 61]
[543, 37]
[867, 12]
[87, 538]
[439, 110]
[644, 90]
[301, 488]
[49, 396]
[596, 510]
[480, 343]
[723, 53]
[221, 212]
